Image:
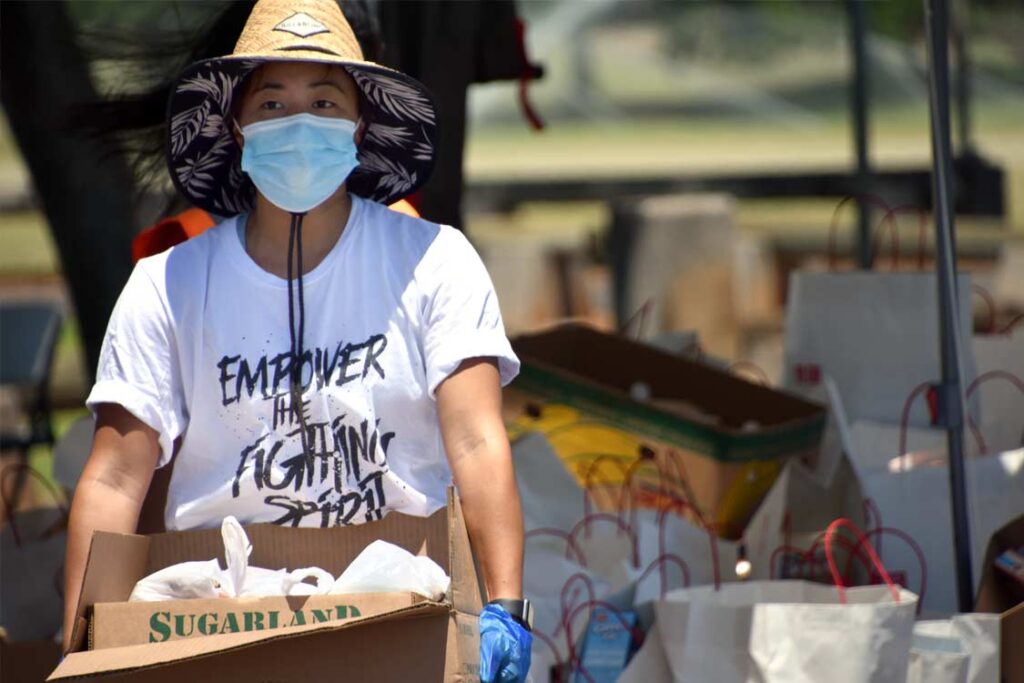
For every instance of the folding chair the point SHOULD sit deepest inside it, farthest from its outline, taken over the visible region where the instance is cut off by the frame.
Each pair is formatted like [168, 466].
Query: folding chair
[28, 335]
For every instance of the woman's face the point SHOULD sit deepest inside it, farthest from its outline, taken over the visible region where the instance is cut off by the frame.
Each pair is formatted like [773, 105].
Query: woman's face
[280, 89]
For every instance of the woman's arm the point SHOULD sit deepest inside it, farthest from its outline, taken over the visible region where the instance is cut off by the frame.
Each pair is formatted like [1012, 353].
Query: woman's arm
[469, 410]
[109, 494]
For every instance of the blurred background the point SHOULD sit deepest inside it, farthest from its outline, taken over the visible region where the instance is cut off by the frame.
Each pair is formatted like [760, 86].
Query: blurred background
[724, 133]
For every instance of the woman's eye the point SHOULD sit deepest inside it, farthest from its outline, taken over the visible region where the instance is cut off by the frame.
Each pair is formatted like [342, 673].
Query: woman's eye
[271, 105]
[323, 104]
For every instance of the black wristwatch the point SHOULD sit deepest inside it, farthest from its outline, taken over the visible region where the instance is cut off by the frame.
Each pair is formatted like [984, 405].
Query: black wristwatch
[520, 610]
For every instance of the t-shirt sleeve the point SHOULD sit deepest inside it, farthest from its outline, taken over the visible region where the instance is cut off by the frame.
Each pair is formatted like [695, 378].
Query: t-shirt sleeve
[461, 317]
[138, 367]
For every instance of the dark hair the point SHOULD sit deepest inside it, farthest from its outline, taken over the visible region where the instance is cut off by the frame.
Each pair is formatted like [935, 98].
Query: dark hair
[133, 122]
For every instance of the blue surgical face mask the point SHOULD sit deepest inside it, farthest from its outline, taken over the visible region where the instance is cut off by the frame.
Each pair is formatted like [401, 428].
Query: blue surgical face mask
[298, 161]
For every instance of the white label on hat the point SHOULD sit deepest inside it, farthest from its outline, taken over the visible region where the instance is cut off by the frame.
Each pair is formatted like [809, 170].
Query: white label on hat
[302, 25]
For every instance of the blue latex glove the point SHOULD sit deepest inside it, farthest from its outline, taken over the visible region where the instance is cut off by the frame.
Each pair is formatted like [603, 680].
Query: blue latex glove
[504, 647]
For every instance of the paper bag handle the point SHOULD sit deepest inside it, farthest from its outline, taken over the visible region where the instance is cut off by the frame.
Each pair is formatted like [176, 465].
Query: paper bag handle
[565, 608]
[973, 387]
[716, 570]
[659, 562]
[875, 200]
[924, 387]
[922, 563]
[922, 233]
[830, 536]
[1016, 320]
[588, 482]
[990, 304]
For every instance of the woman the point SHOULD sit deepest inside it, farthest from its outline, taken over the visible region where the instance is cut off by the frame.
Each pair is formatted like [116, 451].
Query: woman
[316, 359]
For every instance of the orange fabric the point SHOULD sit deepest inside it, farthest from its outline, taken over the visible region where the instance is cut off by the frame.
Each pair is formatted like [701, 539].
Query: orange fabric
[173, 230]
[170, 231]
[406, 207]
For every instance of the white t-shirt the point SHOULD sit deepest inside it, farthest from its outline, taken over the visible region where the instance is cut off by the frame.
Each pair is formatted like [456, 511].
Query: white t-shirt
[198, 346]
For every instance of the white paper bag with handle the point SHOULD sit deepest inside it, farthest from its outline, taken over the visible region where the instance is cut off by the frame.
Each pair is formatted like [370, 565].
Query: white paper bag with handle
[916, 501]
[788, 632]
[875, 334]
[962, 649]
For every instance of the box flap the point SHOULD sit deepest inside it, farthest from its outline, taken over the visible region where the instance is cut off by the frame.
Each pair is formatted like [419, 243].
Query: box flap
[114, 564]
[467, 587]
[135, 657]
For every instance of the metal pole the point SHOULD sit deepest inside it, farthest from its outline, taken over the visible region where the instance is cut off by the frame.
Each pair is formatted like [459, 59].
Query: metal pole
[951, 392]
[961, 23]
[859, 111]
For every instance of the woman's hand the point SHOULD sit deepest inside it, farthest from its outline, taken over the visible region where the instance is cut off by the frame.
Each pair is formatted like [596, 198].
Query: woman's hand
[109, 494]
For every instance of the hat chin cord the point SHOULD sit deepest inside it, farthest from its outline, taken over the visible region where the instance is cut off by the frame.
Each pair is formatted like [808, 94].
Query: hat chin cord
[297, 332]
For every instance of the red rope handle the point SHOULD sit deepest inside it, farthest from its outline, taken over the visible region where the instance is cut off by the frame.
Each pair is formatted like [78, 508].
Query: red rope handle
[588, 482]
[1018, 319]
[922, 231]
[973, 387]
[660, 563]
[809, 557]
[990, 304]
[712, 538]
[801, 555]
[894, 240]
[830, 536]
[908, 404]
[870, 199]
[563, 607]
[922, 563]
[647, 457]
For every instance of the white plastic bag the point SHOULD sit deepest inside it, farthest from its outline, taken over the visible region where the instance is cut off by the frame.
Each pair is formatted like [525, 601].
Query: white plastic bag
[383, 567]
[184, 581]
[206, 579]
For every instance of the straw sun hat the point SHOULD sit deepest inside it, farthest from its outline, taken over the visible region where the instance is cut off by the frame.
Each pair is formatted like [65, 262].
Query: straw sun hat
[395, 156]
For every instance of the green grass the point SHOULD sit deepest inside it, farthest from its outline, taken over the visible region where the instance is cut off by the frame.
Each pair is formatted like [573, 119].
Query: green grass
[26, 247]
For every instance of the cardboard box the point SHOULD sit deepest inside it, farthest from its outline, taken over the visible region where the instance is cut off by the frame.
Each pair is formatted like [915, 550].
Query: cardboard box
[719, 440]
[996, 594]
[425, 641]
[115, 624]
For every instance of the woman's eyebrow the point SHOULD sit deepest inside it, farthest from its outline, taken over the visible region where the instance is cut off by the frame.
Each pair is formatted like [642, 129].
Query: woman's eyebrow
[269, 86]
[327, 81]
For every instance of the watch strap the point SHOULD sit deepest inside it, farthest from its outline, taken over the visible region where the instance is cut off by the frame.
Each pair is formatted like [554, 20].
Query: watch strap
[520, 610]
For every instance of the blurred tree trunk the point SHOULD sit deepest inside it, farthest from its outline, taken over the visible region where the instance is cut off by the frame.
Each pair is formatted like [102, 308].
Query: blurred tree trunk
[86, 196]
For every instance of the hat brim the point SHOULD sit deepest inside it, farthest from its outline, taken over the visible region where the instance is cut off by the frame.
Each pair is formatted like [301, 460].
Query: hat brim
[396, 156]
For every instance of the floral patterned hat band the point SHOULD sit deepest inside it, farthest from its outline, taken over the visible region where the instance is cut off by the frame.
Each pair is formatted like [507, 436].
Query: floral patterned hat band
[396, 155]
